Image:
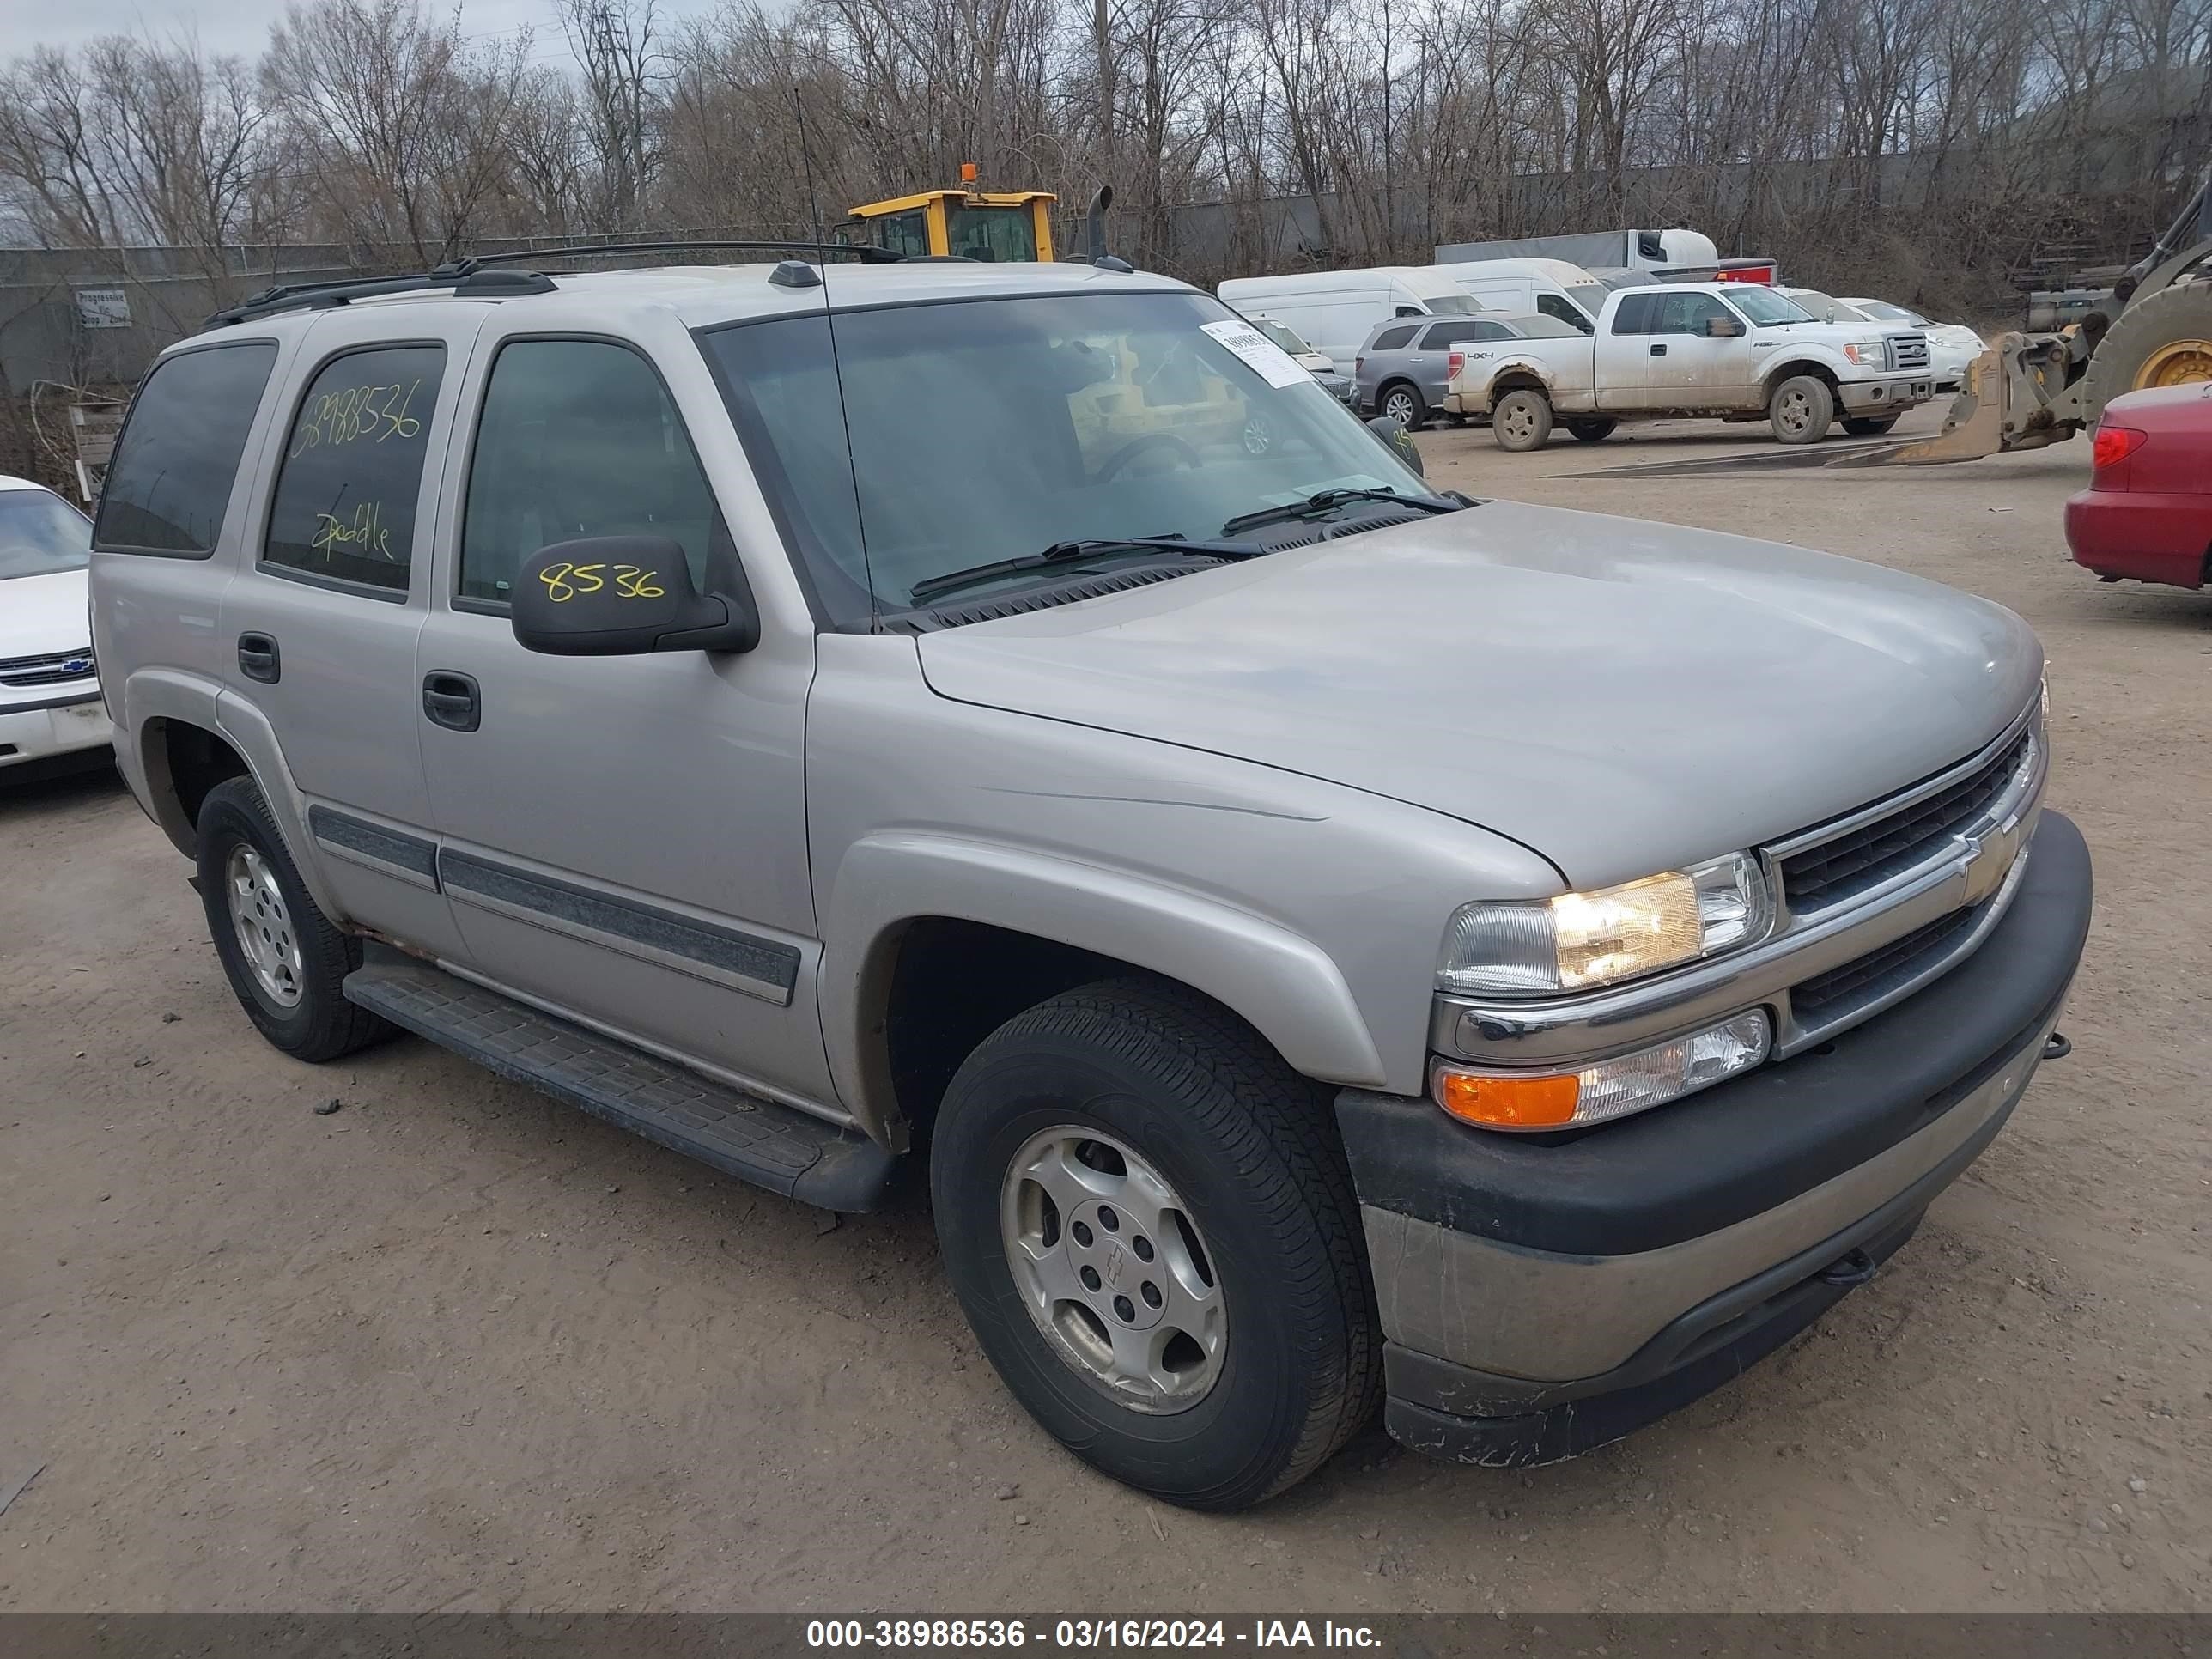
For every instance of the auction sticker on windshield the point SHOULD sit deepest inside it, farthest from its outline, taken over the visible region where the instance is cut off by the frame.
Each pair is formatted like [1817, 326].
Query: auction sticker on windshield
[1272, 363]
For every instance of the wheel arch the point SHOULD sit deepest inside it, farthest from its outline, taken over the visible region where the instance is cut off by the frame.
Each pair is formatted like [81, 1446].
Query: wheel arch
[946, 939]
[1790, 369]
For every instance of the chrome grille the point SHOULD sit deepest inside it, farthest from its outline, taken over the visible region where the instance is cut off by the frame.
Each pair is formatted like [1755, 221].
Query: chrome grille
[1907, 350]
[58, 669]
[1833, 870]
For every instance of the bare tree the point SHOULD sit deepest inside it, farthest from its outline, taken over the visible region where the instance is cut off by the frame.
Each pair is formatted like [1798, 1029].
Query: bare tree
[400, 130]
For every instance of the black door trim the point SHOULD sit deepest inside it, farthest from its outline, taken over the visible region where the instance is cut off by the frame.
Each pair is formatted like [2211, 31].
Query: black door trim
[758, 966]
[410, 858]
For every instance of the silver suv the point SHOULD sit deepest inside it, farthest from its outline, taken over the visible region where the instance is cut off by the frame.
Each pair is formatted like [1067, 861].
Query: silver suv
[1404, 368]
[1319, 940]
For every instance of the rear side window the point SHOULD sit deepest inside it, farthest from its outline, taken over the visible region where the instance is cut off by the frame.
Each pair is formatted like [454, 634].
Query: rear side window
[1393, 339]
[579, 438]
[345, 507]
[170, 482]
[1633, 314]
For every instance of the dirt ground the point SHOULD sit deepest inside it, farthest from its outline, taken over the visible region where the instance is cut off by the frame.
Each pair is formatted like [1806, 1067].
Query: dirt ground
[456, 1347]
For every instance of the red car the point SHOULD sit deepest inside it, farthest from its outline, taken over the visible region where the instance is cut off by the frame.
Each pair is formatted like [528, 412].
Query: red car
[2148, 511]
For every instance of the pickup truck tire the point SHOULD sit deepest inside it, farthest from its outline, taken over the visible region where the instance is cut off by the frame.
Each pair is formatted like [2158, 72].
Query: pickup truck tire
[1401, 401]
[1521, 420]
[1592, 429]
[285, 960]
[1801, 409]
[1133, 1107]
[1869, 425]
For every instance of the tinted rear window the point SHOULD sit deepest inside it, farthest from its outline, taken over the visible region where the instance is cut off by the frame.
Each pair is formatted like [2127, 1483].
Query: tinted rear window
[1634, 315]
[170, 483]
[345, 507]
[1393, 339]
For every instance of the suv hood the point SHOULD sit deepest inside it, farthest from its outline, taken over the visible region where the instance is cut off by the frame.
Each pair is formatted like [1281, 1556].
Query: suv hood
[1622, 696]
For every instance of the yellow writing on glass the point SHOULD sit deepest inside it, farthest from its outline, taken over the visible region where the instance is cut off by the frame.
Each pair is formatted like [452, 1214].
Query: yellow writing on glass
[361, 536]
[359, 414]
[564, 582]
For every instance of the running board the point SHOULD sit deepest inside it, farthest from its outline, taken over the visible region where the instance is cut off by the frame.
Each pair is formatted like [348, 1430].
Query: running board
[752, 1138]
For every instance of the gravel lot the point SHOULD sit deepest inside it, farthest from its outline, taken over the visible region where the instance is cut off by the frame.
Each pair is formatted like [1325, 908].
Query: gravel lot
[455, 1347]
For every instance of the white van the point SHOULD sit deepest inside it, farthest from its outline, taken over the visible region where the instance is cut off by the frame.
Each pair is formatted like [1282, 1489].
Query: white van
[1336, 310]
[1533, 288]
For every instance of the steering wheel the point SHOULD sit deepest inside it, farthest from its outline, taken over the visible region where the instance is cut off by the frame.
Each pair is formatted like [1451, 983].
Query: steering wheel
[1155, 442]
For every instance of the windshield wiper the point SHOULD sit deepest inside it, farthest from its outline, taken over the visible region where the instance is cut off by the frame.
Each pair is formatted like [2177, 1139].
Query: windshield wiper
[1069, 552]
[1322, 499]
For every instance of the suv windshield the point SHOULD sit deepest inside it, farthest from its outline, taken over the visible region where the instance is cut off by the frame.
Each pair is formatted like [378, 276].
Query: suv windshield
[41, 533]
[1765, 306]
[961, 434]
[1283, 337]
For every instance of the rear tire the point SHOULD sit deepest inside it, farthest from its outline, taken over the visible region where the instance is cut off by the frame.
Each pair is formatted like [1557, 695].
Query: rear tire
[1521, 420]
[1592, 429]
[1149, 1103]
[1869, 427]
[1801, 409]
[289, 987]
[1402, 402]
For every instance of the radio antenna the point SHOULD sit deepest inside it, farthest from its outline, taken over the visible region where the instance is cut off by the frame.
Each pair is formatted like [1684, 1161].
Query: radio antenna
[806, 164]
[837, 365]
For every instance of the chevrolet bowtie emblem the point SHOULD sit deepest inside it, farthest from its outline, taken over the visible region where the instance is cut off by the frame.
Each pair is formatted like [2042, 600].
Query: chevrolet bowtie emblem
[1992, 857]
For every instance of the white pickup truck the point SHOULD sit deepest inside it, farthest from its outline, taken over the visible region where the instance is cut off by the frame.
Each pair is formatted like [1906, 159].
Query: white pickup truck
[1733, 349]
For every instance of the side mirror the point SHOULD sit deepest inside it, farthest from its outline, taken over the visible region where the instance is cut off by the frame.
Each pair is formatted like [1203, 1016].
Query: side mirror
[1722, 328]
[1400, 443]
[624, 596]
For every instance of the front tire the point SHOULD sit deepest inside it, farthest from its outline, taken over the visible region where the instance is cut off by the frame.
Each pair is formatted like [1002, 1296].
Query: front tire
[1801, 409]
[1150, 1226]
[1868, 427]
[284, 959]
[1592, 429]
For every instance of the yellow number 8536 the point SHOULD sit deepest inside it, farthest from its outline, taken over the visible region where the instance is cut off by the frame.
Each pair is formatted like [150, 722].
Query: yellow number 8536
[564, 582]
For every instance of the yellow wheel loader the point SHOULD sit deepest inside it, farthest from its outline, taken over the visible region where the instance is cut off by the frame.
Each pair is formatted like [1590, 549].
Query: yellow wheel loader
[2029, 390]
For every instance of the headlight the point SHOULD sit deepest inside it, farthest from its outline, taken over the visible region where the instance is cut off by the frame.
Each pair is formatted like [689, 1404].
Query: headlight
[1866, 354]
[1537, 947]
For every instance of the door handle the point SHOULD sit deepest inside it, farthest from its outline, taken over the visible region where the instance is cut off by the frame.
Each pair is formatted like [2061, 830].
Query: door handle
[1658, 352]
[258, 658]
[452, 699]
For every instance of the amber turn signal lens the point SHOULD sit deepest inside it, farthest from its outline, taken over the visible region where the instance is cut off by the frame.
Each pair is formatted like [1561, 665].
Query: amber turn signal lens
[1508, 1102]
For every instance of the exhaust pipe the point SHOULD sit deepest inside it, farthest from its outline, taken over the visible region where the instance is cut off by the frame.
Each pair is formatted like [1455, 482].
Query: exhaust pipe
[1096, 222]
[1099, 256]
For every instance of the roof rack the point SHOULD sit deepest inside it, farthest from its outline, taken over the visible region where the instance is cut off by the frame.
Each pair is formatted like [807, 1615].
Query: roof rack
[462, 276]
[867, 253]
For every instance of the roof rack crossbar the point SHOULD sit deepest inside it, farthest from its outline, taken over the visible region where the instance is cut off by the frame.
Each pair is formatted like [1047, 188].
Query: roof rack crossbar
[462, 277]
[865, 251]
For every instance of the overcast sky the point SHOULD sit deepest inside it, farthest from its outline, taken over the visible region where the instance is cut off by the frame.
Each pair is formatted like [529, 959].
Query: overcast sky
[242, 26]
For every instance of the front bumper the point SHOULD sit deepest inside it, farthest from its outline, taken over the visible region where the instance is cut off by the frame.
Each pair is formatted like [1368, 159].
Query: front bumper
[1542, 1296]
[1878, 397]
[40, 728]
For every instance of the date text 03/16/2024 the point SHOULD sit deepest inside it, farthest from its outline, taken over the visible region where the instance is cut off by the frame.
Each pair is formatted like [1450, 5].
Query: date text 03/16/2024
[1086, 1634]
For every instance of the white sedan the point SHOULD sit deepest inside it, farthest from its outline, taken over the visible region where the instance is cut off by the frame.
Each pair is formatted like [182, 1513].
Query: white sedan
[50, 701]
[1951, 345]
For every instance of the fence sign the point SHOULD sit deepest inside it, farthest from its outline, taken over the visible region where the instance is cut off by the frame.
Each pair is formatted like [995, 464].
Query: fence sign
[103, 307]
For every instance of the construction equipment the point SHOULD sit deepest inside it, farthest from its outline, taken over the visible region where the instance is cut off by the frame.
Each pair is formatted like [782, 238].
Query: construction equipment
[2030, 390]
[965, 223]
